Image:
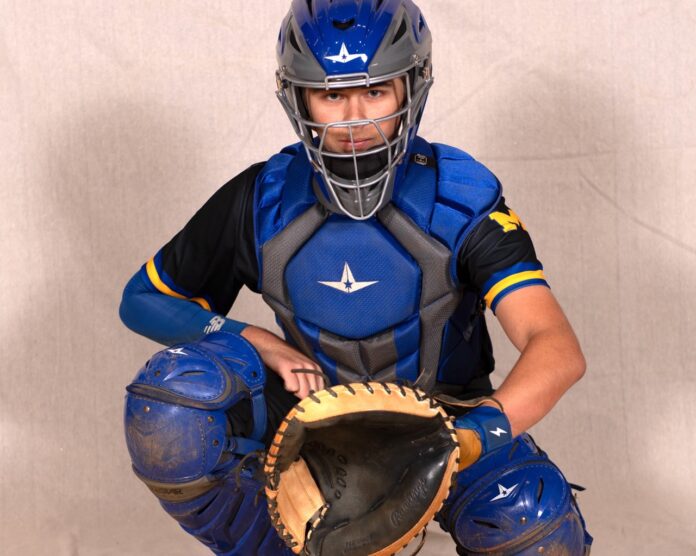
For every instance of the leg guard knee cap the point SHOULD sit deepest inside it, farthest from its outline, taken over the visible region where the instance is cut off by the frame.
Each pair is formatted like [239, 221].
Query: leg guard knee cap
[175, 416]
[182, 447]
[515, 501]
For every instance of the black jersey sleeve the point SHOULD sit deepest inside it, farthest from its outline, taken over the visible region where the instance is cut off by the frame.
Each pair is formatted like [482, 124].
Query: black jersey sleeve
[498, 257]
[214, 255]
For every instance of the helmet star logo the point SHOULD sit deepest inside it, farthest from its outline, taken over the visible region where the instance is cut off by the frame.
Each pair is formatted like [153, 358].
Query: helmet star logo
[348, 284]
[504, 492]
[344, 56]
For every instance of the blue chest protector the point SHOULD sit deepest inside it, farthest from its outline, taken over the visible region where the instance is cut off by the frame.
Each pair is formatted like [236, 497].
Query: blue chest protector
[377, 299]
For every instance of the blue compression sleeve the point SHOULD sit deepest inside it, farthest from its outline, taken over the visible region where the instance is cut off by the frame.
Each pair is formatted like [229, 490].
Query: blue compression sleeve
[166, 319]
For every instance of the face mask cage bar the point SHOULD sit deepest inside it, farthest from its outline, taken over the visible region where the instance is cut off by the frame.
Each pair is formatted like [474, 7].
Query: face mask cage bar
[359, 197]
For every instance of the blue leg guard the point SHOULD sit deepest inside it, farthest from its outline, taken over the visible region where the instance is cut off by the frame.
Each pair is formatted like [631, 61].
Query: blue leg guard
[515, 501]
[180, 440]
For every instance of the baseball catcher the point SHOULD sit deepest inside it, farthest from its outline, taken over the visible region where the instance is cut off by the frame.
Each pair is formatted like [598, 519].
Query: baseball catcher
[379, 253]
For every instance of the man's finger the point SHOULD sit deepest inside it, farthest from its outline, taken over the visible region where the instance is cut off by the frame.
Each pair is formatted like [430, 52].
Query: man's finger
[291, 382]
[308, 379]
[312, 381]
[304, 387]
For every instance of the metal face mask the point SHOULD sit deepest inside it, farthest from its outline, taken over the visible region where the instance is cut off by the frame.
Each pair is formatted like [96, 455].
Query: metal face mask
[340, 44]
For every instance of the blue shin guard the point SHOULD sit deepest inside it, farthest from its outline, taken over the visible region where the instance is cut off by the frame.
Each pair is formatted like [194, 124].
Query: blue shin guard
[182, 447]
[515, 501]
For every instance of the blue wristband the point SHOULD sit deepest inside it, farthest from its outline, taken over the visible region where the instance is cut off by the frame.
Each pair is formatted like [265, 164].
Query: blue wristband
[490, 424]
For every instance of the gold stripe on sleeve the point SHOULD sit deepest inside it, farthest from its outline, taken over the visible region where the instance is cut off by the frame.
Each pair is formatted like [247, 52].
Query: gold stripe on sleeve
[153, 275]
[511, 281]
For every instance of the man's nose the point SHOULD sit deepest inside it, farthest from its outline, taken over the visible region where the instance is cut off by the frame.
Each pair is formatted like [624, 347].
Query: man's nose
[355, 109]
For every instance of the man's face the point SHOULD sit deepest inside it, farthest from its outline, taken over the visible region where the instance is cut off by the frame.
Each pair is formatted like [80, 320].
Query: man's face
[360, 103]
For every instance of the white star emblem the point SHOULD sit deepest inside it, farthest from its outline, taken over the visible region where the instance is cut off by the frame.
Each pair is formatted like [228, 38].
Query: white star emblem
[348, 283]
[177, 351]
[344, 56]
[504, 492]
[498, 431]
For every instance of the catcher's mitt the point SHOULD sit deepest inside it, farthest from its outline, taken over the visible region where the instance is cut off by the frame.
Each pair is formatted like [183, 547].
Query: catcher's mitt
[359, 469]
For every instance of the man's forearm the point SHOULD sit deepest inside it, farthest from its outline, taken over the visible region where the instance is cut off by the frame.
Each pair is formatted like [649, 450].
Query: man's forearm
[548, 366]
[168, 320]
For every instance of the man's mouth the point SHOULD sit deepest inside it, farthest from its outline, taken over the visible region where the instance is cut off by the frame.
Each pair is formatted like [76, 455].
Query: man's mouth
[357, 144]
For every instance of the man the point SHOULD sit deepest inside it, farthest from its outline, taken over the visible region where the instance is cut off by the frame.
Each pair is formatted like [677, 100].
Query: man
[378, 253]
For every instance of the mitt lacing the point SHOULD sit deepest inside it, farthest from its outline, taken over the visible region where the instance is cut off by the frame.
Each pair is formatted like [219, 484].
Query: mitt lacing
[400, 383]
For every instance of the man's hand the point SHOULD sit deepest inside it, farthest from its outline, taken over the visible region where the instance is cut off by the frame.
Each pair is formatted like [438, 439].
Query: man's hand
[282, 359]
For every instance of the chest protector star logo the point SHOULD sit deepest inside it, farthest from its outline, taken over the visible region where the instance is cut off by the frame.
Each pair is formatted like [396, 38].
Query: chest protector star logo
[348, 283]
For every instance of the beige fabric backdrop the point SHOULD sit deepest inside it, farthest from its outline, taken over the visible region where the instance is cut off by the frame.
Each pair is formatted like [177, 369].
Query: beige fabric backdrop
[119, 119]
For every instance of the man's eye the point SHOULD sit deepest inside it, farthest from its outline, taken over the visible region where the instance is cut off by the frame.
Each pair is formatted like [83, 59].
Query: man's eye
[375, 93]
[332, 96]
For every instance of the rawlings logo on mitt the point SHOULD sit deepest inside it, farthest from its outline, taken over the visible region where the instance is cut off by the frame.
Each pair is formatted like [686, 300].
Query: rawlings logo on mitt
[360, 469]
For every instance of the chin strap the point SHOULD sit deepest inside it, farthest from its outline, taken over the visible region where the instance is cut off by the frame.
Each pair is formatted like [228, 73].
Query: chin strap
[366, 165]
